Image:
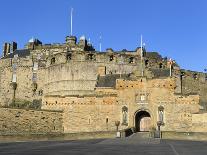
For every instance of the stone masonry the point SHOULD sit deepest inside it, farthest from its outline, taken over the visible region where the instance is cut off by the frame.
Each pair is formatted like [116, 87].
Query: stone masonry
[96, 89]
[20, 121]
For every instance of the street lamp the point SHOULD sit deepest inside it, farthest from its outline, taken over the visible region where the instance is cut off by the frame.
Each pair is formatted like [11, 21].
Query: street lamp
[117, 123]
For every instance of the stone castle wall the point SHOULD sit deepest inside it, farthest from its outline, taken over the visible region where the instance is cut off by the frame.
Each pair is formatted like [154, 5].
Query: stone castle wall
[99, 112]
[19, 121]
[93, 87]
[195, 83]
[24, 82]
[88, 114]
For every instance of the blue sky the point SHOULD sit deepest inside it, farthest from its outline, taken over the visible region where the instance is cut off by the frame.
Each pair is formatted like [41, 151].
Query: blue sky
[174, 28]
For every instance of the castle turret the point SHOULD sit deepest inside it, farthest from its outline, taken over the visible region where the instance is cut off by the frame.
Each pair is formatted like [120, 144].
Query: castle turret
[71, 40]
[83, 41]
[13, 47]
[33, 43]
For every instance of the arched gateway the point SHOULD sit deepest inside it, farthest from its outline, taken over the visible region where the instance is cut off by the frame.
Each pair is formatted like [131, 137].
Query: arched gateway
[142, 121]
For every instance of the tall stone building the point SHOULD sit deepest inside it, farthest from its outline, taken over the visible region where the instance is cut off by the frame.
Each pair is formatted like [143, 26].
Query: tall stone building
[98, 91]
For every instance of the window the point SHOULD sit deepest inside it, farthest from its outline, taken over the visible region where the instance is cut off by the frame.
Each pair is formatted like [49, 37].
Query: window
[182, 74]
[35, 66]
[90, 57]
[160, 65]
[111, 58]
[52, 61]
[195, 76]
[14, 67]
[34, 77]
[14, 77]
[69, 56]
[131, 60]
[142, 97]
[40, 92]
[146, 63]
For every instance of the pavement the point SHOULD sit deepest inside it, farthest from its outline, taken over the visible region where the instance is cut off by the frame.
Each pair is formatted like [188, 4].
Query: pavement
[133, 145]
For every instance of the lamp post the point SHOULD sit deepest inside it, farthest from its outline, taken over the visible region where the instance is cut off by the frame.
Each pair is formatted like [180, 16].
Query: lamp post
[159, 123]
[117, 123]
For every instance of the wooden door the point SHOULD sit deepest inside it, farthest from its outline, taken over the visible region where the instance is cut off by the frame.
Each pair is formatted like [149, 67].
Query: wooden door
[145, 124]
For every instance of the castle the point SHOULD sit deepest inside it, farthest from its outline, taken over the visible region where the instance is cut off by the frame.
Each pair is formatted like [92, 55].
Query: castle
[100, 91]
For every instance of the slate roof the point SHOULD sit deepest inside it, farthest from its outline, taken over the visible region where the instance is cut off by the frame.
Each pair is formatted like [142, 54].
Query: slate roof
[21, 53]
[109, 80]
[160, 72]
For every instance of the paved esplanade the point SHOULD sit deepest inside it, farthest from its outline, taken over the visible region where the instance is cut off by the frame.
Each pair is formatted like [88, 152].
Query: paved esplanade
[133, 145]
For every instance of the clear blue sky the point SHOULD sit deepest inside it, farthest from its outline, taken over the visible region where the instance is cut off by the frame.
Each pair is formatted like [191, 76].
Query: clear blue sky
[175, 28]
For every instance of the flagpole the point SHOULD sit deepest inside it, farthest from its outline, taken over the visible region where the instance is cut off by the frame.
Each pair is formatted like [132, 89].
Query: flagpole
[100, 43]
[142, 58]
[71, 22]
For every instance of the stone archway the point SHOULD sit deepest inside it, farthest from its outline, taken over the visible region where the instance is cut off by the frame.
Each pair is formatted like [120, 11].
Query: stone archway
[142, 121]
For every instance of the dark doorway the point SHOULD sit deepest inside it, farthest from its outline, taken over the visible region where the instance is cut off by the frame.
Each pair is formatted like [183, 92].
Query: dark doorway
[142, 121]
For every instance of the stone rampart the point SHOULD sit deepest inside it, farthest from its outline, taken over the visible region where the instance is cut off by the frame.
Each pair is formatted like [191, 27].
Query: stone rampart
[20, 121]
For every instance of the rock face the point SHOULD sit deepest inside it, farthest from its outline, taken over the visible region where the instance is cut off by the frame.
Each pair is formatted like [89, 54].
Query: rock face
[96, 89]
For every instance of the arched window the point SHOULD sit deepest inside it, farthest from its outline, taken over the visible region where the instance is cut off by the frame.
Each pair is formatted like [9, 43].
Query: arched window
[52, 61]
[124, 115]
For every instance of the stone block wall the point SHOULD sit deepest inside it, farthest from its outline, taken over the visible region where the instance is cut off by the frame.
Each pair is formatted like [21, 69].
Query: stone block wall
[87, 114]
[99, 112]
[199, 122]
[195, 83]
[24, 74]
[20, 121]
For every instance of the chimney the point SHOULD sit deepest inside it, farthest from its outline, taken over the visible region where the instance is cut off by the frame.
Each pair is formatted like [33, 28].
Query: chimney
[6, 49]
[13, 47]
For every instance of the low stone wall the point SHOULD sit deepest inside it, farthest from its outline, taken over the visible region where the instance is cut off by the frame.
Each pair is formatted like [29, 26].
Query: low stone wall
[58, 137]
[21, 122]
[195, 136]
